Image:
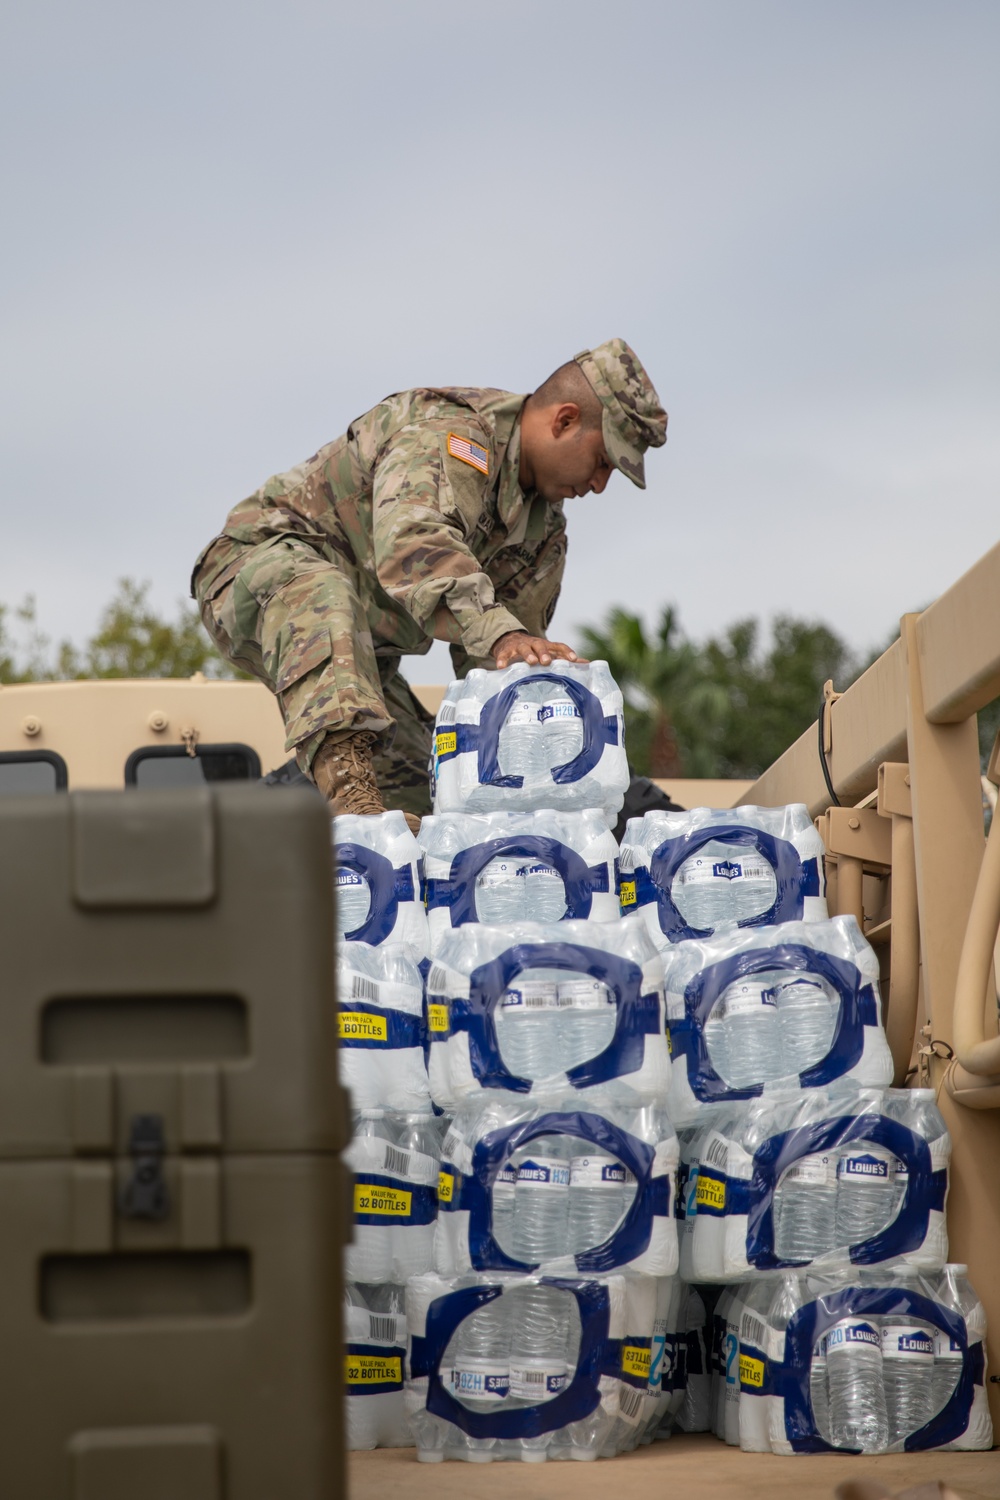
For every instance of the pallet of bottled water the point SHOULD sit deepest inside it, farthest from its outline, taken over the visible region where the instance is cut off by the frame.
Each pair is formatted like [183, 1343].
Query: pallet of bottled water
[395, 1159]
[822, 1178]
[374, 1362]
[885, 1362]
[688, 873]
[531, 737]
[533, 1367]
[533, 1005]
[748, 1008]
[578, 1188]
[380, 1021]
[505, 867]
[377, 881]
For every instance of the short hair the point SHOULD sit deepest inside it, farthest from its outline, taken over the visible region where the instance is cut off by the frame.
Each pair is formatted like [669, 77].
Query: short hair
[569, 383]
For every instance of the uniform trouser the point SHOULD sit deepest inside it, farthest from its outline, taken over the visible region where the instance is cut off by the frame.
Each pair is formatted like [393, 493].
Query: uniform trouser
[302, 622]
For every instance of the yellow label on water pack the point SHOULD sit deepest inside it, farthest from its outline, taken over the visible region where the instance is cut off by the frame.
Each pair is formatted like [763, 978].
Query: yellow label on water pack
[628, 893]
[446, 1187]
[447, 742]
[355, 1026]
[635, 1361]
[670, 1040]
[372, 1198]
[372, 1369]
[751, 1371]
[710, 1191]
[437, 1017]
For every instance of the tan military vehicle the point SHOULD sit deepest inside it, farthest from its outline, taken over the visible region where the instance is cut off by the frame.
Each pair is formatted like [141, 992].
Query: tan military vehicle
[891, 774]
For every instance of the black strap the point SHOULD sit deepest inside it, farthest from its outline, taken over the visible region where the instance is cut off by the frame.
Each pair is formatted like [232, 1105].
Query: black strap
[823, 709]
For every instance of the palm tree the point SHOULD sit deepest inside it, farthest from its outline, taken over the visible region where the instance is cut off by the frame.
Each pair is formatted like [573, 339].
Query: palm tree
[673, 711]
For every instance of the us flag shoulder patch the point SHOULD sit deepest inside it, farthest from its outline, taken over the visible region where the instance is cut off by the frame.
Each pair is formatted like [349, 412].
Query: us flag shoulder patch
[469, 452]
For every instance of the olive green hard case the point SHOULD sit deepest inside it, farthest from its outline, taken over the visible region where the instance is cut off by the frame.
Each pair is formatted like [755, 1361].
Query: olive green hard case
[172, 1205]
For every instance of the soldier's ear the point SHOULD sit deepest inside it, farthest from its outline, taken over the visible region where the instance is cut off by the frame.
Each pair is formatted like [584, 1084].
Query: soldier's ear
[565, 417]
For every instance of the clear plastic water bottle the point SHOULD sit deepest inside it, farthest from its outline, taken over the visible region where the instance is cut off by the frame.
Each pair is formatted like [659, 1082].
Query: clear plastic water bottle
[544, 891]
[352, 902]
[416, 1158]
[480, 1369]
[864, 1192]
[723, 883]
[369, 1257]
[500, 892]
[597, 1197]
[916, 1109]
[907, 1374]
[819, 1394]
[752, 1045]
[854, 1375]
[539, 1330]
[527, 1021]
[562, 727]
[504, 1184]
[715, 1040]
[541, 1201]
[955, 1293]
[807, 1014]
[520, 748]
[805, 1208]
[587, 1019]
[722, 1357]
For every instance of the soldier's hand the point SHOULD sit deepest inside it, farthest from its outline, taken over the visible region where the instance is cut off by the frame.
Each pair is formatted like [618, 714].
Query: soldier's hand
[518, 645]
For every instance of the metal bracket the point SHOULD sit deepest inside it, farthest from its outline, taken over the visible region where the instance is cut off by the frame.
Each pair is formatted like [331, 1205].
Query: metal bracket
[894, 799]
[145, 1194]
[190, 740]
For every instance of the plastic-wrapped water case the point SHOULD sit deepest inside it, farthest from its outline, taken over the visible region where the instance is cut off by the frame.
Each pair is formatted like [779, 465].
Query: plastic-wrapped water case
[829, 1178]
[889, 1363]
[374, 1358]
[689, 872]
[377, 879]
[534, 1006]
[507, 867]
[395, 1159]
[529, 1368]
[581, 1189]
[531, 737]
[797, 1003]
[380, 993]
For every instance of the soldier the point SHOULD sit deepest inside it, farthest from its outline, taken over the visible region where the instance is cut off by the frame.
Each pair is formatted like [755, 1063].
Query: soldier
[438, 515]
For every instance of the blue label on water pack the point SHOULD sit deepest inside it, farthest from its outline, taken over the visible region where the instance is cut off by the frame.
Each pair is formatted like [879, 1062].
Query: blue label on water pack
[727, 869]
[853, 1333]
[544, 1172]
[863, 1168]
[915, 1343]
[480, 1385]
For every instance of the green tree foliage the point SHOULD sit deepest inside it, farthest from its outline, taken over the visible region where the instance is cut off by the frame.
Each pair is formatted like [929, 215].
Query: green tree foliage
[672, 708]
[726, 708]
[131, 641]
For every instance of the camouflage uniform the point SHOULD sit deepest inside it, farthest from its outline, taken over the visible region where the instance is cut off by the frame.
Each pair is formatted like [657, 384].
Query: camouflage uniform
[412, 524]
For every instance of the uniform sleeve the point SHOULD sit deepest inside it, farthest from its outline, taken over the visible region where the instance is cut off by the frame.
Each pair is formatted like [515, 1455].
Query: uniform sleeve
[426, 506]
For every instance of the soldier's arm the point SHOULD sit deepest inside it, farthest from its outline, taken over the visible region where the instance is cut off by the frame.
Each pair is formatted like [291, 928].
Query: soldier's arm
[426, 506]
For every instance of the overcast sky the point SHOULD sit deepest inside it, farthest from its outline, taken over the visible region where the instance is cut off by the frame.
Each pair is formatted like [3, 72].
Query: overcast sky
[231, 227]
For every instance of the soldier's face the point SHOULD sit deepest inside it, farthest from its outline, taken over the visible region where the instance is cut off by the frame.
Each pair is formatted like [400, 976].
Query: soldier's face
[569, 461]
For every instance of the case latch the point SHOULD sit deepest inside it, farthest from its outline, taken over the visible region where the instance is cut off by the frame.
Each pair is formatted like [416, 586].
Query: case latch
[145, 1194]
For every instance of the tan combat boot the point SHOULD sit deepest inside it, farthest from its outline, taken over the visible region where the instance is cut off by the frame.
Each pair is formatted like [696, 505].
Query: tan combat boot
[342, 769]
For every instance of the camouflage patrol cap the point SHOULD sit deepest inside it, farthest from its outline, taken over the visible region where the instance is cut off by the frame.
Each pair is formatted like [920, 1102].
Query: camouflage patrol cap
[633, 419]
